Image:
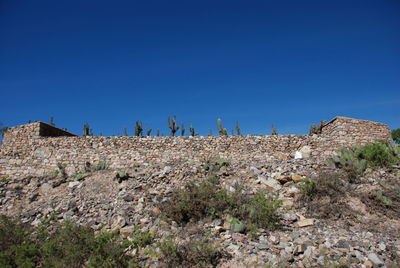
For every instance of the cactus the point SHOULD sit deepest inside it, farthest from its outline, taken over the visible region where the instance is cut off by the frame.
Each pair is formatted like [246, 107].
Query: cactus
[138, 128]
[222, 131]
[192, 133]
[148, 131]
[238, 128]
[183, 130]
[158, 133]
[173, 125]
[52, 121]
[125, 132]
[274, 132]
[313, 129]
[320, 126]
[87, 131]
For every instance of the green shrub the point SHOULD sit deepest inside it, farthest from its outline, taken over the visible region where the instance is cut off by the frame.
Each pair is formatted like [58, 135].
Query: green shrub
[346, 159]
[81, 176]
[215, 164]
[141, 239]
[379, 154]
[307, 188]
[70, 245]
[195, 201]
[61, 170]
[325, 195]
[208, 199]
[261, 211]
[396, 135]
[193, 253]
[101, 165]
[4, 180]
[16, 247]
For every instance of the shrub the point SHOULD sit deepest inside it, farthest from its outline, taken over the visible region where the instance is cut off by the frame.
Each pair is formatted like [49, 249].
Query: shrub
[379, 154]
[215, 164]
[261, 211]
[396, 135]
[81, 176]
[16, 247]
[4, 180]
[70, 245]
[101, 165]
[325, 194]
[209, 199]
[193, 253]
[346, 159]
[308, 188]
[195, 201]
[61, 170]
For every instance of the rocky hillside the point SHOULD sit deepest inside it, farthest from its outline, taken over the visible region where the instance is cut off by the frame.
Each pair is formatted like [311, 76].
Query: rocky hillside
[225, 213]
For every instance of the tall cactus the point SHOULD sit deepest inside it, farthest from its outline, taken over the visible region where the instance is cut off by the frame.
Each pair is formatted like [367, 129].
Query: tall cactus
[183, 130]
[148, 131]
[52, 121]
[238, 128]
[313, 129]
[87, 131]
[125, 132]
[138, 128]
[173, 125]
[222, 131]
[191, 129]
[320, 126]
[273, 131]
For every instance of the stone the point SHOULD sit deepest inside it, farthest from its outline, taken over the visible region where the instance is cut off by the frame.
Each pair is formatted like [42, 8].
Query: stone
[117, 222]
[127, 231]
[298, 155]
[296, 177]
[263, 246]
[45, 188]
[274, 238]
[72, 184]
[290, 217]
[375, 259]
[305, 151]
[156, 211]
[299, 249]
[308, 252]
[270, 183]
[305, 222]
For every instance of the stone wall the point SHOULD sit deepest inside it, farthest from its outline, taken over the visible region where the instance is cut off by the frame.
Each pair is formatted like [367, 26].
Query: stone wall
[25, 152]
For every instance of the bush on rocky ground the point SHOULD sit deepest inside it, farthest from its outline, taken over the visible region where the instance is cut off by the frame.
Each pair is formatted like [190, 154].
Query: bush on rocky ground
[376, 154]
[324, 195]
[379, 154]
[193, 253]
[209, 199]
[67, 245]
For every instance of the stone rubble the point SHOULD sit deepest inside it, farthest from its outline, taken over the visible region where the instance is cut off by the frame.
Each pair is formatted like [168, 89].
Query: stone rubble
[105, 204]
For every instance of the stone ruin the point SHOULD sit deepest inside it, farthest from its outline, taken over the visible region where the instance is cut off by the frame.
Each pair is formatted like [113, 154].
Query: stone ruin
[35, 149]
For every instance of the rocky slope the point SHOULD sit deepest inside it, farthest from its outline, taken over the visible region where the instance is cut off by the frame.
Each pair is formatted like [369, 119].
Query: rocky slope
[362, 230]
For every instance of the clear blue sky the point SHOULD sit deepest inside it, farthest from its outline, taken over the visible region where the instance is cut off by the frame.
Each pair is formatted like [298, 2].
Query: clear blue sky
[110, 63]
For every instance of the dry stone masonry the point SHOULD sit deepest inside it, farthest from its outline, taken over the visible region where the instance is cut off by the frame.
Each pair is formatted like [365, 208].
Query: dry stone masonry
[36, 149]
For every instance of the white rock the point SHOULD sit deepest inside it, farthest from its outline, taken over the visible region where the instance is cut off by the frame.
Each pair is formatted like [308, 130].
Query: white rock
[72, 184]
[271, 184]
[298, 155]
[305, 151]
[375, 259]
